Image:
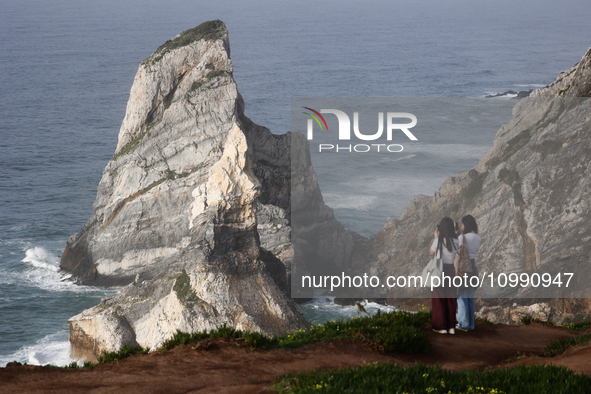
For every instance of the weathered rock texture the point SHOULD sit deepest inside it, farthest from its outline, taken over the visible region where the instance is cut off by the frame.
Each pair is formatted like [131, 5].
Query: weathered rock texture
[193, 208]
[515, 314]
[574, 82]
[530, 195]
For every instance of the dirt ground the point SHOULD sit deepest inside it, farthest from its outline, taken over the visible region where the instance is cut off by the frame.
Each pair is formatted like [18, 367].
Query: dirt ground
[578, 359]
[227, 367]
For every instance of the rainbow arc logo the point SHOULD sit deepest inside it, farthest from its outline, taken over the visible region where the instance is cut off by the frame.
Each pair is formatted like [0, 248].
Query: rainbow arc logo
[316, 118]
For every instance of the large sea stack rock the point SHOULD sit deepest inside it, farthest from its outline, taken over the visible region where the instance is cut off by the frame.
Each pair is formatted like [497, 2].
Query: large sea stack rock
[530, 194]
[192, 211]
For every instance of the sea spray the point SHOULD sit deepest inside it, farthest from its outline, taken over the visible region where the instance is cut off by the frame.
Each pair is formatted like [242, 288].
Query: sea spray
[321, 310]
[52, 349]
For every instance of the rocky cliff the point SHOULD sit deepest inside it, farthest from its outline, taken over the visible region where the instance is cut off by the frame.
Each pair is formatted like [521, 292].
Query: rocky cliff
[574, 82]
[530, 195]
[192, 212]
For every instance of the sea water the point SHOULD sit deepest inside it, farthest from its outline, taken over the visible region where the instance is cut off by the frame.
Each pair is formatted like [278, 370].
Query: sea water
[66, 68]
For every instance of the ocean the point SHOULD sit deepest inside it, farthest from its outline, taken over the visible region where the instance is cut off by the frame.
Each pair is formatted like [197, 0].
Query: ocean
[66, 68]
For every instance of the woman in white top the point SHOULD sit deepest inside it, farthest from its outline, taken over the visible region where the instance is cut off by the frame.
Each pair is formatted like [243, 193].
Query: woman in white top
[466, 294]
[443, 298]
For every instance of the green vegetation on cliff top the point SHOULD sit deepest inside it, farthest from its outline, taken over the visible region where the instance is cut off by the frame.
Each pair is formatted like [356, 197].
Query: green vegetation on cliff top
[210, 30]
[388, 332]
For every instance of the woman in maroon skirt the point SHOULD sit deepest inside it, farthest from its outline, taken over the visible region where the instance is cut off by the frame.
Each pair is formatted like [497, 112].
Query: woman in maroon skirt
[443, 298]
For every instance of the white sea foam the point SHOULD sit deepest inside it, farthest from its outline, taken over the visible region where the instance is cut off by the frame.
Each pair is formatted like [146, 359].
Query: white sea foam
[52, 349]
[391, 160]
[39, 270]
[355, 202]
[503, 96]
[321, 310]
[20, 227]
[41, 258]
[42, 271]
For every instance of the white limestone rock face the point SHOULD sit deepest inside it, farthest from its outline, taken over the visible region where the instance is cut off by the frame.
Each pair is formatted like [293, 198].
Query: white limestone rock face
[148, 313]
[183, 107]
[177, 209]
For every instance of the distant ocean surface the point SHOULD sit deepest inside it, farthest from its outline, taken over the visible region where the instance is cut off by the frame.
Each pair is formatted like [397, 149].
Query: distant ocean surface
[66, 68]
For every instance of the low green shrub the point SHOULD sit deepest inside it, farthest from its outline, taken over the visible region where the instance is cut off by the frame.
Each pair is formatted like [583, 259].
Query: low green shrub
[392, 378]
[251, 339]
[560, 345]
[391, 332]
[130, 146]
[72, 365]
[516, 356]
[122, 353]
[582, 326]
[396, 331]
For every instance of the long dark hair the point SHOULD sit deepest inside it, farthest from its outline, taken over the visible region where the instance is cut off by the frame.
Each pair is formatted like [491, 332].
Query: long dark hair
[447, 235]
[469, 224]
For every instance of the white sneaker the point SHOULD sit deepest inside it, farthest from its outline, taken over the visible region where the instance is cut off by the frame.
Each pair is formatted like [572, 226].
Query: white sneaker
[440, 331]
[451, 331]
[461, 329]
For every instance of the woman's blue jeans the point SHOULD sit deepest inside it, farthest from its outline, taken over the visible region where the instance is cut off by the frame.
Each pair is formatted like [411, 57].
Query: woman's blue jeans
[466, 308]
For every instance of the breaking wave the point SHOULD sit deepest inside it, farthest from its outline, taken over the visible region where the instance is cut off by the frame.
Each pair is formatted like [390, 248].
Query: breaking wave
[53, 349]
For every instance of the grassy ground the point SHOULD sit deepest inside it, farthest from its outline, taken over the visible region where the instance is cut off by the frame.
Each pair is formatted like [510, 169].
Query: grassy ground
[391, 378]
[394, 333]
[401, 332]
[387, 332]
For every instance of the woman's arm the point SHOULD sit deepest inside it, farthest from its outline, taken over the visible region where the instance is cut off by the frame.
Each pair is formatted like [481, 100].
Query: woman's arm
[436, 235]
